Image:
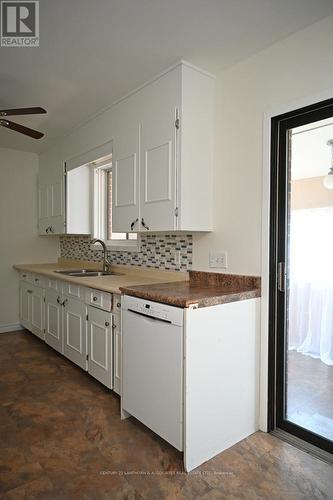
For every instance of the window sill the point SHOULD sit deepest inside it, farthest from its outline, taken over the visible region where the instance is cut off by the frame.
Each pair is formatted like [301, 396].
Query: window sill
[119, 246]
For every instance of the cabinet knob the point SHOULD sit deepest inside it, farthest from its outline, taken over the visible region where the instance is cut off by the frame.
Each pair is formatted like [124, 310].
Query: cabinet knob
[47, 230]
[94, 299]
[107, 323]
[58, 300]
[118, 304]
[24, 275]
[51, 229]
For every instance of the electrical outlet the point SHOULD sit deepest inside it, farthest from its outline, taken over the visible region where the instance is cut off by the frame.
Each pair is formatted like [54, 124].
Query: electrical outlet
[218, 259]
[177, 257]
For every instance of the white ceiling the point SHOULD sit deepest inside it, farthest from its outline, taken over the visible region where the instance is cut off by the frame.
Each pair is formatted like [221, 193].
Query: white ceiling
[311, 157]
[93, 52]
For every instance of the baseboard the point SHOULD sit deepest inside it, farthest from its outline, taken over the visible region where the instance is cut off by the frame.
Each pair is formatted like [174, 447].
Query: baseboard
[11, 327]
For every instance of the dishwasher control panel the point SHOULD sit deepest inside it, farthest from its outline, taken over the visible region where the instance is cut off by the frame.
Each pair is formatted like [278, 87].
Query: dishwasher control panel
[155, 310]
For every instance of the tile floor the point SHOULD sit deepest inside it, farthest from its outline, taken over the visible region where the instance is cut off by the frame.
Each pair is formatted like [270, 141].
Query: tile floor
[62, 438]
[310, 394]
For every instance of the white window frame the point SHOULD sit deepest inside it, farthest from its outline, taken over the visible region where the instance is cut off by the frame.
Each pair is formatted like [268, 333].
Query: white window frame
[99, 215]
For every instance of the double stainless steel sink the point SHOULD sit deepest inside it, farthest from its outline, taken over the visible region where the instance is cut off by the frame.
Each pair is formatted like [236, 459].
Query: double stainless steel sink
[87, 273]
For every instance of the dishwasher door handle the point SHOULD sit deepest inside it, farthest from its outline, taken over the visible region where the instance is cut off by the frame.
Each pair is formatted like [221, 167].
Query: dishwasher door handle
[149, 317]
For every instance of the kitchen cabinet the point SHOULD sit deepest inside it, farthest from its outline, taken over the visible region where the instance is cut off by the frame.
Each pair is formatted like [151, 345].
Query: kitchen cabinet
[53, 320]
[100, 354]
[51, 199]
[32, 308]
[25, 305]
[163, 154]
[125, 167]
[161, 137]
[37, 311]
[75, 330]
[56, 311]
[117, 343]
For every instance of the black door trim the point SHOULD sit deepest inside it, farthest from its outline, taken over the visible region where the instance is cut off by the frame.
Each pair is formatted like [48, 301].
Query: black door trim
[277, 247]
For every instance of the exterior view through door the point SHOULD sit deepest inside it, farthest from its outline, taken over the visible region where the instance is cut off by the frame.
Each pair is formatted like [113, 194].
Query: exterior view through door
[301, 287]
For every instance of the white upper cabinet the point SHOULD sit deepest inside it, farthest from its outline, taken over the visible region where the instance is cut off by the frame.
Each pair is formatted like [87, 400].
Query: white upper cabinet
[163, 150]
[161, 137]
[125, 167]
[51, 202]
[158, 191]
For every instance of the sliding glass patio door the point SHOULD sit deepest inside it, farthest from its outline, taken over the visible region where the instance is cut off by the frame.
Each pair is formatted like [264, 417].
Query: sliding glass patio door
[301, 274]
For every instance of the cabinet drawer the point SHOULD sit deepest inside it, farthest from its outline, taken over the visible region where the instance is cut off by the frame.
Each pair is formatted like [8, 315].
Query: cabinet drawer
[72, 290]
[96, 298]
[116, 303]
[54, 284]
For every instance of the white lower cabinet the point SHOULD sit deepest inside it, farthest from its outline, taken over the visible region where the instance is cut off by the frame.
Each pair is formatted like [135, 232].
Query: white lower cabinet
[25, 305]
[117, 345]
[32, 308]
[37, 311]
[75, 331]
[53, 320]
[100, 363]
[90, 336]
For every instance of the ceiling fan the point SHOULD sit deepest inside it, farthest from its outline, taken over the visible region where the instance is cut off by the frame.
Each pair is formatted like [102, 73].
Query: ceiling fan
[16, 126]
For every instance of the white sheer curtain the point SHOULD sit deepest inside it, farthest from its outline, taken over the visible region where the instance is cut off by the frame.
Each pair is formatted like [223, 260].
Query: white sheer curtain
[311, 283]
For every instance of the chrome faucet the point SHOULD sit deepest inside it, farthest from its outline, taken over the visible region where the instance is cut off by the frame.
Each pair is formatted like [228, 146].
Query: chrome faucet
[106, 262]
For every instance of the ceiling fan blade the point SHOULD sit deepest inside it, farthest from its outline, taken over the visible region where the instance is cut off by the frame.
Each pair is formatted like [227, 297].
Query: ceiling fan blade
[21, 129]
[22, 111]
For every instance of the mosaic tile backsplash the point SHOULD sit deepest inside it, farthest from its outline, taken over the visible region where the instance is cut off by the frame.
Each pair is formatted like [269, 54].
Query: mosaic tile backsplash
[156, 250]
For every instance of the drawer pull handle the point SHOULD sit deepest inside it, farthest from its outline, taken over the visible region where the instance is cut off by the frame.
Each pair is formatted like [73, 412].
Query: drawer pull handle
[58, 300]
[144, 224]
[133, 223]
[107, 323]
[24, 275]
[95, 298]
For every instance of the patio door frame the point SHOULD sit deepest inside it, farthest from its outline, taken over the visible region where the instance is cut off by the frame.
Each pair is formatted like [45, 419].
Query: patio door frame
[277, 300]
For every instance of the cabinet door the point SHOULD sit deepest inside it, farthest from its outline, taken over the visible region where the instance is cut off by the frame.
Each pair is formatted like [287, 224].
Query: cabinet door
[51, 206]
[100, 346]
[158, 154]
[117, 352]
[125, 168]
[53, 320]
[25, 305]
[75, 331]
[43, 202]
[37, 311]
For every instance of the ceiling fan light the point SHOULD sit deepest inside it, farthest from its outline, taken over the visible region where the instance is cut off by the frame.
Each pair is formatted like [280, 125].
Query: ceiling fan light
[328, 180]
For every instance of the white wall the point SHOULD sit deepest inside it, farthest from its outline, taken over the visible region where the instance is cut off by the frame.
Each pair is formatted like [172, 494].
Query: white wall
[20, 242]
[293, 69]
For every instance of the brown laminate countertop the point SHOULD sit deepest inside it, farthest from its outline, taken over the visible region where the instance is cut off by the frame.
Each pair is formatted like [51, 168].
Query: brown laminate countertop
[180, 289]
[202, 290]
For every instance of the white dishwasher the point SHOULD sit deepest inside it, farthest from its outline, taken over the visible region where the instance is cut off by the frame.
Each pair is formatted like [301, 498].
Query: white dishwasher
[152, 389]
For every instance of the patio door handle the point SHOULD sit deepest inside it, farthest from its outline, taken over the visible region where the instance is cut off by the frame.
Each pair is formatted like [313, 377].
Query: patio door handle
[281, 278]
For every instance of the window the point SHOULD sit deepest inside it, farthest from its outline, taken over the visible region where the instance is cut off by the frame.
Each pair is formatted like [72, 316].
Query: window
[102, 208]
